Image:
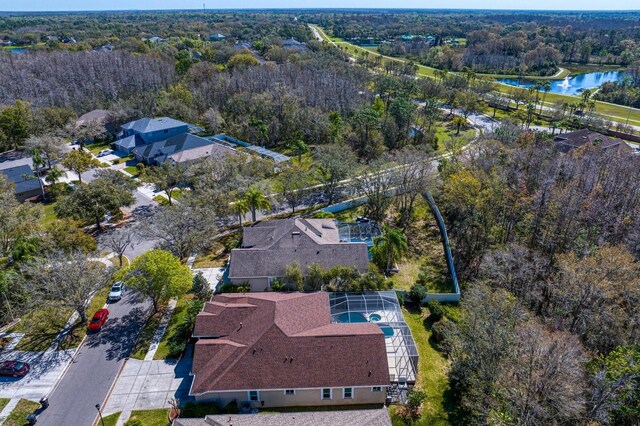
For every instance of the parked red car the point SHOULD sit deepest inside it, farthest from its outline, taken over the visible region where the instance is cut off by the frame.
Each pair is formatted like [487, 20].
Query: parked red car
[98, 320]
[14, 368]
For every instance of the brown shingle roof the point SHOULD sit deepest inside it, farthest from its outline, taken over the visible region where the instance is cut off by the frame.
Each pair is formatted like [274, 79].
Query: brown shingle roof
[268, 247]
[373, 417]
[579, 138]
[287, 341]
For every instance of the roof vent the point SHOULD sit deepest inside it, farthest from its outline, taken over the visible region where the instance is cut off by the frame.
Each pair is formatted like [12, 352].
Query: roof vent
[295, 233]
[286, 359]
[369, 373]
[290, 360]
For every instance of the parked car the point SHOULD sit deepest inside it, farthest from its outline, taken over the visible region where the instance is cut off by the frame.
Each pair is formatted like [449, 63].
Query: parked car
[98, 320]
[117, 290]
[105, 152]
[14, 368]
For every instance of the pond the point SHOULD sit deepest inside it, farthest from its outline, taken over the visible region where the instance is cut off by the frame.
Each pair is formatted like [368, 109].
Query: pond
[574, 85]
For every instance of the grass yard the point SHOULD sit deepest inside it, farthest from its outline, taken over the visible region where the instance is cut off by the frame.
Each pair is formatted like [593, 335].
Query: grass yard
[76, 335]
[133, 170]
[111, 419]
[116, 261]
[432, 374]
[146, 335]
[173, 327]
[41, 327]
[216, 256]
[161, 199]
[3, 403]
[95, 148]
[49, 214]
[159, 417]
[19, 414]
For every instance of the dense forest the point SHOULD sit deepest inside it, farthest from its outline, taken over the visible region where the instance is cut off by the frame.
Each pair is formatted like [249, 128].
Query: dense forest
[493, 42]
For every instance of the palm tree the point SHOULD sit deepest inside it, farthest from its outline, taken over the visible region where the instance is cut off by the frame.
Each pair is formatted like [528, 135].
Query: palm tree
[530, 110]
[300, 147]
[546, 86]
[38, 162]
[390, 246]
[256, 200]
[55, 174]
[240, 208]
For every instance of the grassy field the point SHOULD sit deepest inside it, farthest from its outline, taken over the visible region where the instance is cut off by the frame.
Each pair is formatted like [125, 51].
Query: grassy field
[19, 414]
[159, 417]
[611, 112]
[177, 318]
[111, 419]
[49, 213]
[216, 256]
[432, 374]
[3, 402]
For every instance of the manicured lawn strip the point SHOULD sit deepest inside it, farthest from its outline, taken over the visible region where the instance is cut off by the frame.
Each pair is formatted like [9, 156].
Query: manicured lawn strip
[95, 148]
[19, 414]
[407, 274]
[133, 170]
[146, 335]
[111, 419]
[177, 318]
[49, 213]
[161, 199]
[3, 402]
[159, 417]
[76, 335]
[432, 374]
[41, 327]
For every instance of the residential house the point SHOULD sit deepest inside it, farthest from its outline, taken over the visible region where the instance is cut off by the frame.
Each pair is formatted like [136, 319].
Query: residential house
[282, 350]
[268, 247]
[182, 148]
[293, 44]
[156, 39]
[27, 185]
[372, 417]
[216, 37]
[566, 142]
[147, 131]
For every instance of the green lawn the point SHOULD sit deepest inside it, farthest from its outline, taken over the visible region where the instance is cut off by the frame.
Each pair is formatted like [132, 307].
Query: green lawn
[111, 419]
[161, 199]
[49, 213]
[19, 414]
[133, 170]
[432, 374]
[3, 402]
[95, 148]
[41, 327]
[146, 335]
[76, 335]
[159, 417]
[177, 318]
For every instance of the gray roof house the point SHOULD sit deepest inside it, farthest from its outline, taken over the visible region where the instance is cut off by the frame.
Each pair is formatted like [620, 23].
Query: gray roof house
[566, 142]
[268, 247]
[181, 148]
[27, 185]
[216, 37]
[148, 130]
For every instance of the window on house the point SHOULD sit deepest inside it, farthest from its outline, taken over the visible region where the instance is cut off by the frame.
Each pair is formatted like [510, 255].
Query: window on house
[347, 393]
[376, 389]
[253, 396]
[290, 392]
[326, 393]
[166, 131]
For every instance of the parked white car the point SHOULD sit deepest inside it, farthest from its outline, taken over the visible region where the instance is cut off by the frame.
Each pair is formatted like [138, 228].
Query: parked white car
[105, 152]
[117, 290]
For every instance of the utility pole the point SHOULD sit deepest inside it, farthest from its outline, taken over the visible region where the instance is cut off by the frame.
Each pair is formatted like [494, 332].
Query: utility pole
[100, 413]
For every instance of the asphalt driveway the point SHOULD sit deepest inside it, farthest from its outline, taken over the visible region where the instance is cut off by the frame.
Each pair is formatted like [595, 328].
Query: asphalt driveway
[96, 366]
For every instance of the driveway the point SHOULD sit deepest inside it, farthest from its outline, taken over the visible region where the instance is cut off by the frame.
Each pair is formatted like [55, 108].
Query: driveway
[145, 385]
[46, 369]
[96, 366]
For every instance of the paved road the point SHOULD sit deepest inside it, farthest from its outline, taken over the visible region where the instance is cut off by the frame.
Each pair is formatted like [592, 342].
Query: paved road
[96, 366]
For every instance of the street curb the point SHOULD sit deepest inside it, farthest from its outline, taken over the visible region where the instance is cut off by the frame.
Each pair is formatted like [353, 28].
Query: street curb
[110, 391]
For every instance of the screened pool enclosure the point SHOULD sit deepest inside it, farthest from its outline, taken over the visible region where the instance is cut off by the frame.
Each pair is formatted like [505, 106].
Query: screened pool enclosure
[383, 309]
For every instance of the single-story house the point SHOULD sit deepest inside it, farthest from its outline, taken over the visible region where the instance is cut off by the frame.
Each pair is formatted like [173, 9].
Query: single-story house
[372, 417]
[147, 131]
[27, 185]
[566, 142]
[179, 149]
[100, 116]
[156, 39]
[282, 350]
[293, 44]
[268, 247]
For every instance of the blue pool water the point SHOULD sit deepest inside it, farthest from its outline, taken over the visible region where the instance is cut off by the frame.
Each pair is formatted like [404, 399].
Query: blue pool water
[352, 317]
[574, 85]
[374, 317]
[388, 331]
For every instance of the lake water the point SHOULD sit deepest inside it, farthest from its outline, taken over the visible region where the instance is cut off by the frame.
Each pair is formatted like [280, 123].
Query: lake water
[18, 50]
[572, 85]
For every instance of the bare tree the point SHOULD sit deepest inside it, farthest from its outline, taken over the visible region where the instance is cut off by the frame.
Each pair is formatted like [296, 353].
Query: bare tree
[63, 280]
[119, 241]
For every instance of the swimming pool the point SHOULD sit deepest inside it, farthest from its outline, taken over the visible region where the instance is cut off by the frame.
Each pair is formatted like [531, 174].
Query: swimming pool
[375, 317]
[351, 317]
[387, 330]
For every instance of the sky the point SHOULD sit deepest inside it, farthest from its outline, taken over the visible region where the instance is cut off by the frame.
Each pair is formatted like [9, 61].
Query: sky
[72, 5]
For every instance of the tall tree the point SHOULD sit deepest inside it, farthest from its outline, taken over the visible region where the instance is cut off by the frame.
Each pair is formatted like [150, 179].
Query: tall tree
[17, 220]
[292, 184]
[256, 201]
[334, 163]
[78, 161]
[389, 247]
[49, 146]
[159, 275]
[14, 124]
[166, 177]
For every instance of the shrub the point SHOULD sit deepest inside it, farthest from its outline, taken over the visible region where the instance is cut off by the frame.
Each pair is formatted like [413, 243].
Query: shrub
[116, 161]
[436, 310]
[278, 285]
[140, 168]
[201, 287]
[199, 410]
[418, 293]
[231, 408]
